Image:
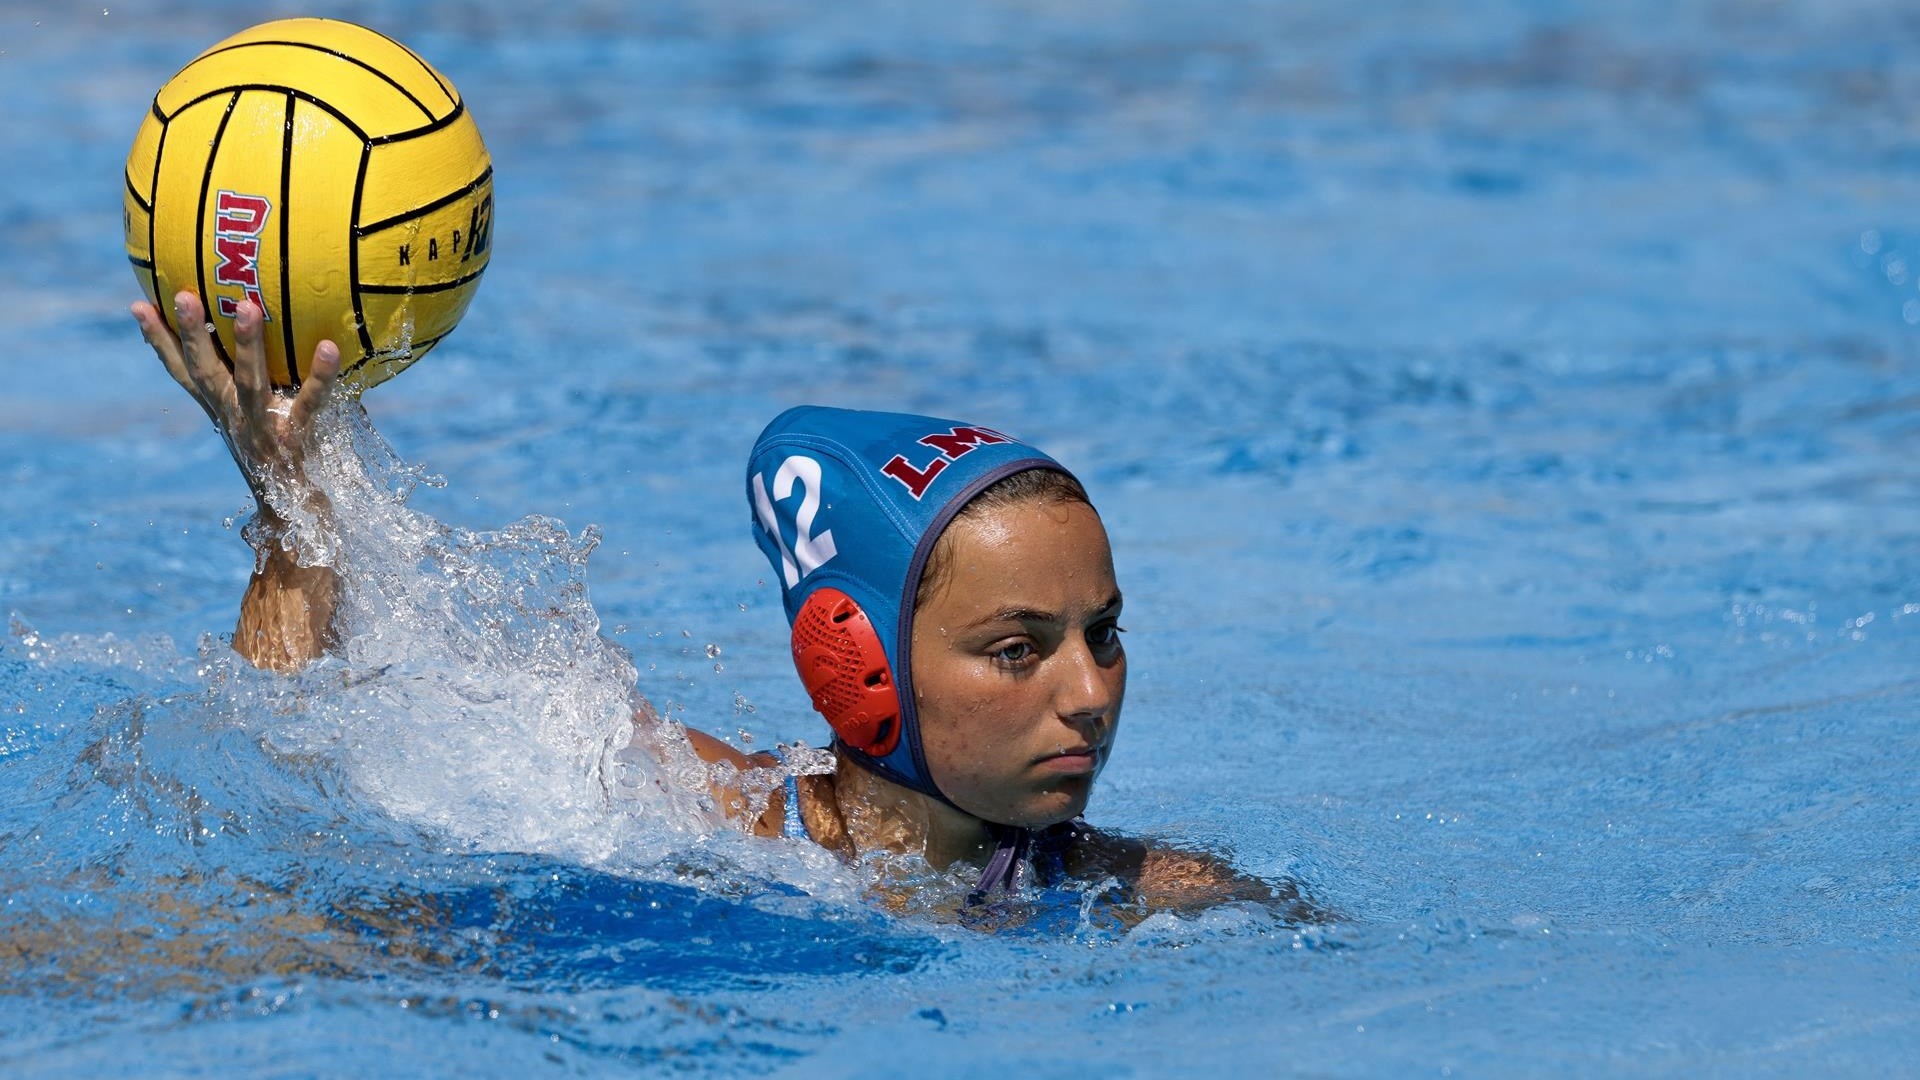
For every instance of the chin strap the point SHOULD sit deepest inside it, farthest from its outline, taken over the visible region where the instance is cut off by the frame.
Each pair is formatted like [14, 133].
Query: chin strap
[1002, 875]
[1014, 848]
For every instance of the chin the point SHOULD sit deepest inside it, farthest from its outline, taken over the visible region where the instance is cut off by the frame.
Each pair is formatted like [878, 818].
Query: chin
[1052, 807]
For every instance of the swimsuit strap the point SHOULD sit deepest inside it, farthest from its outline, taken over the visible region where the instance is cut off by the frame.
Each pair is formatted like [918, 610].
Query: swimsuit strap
[793, 826]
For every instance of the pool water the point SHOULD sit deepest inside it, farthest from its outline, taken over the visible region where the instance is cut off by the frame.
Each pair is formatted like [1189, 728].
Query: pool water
[1505, 415]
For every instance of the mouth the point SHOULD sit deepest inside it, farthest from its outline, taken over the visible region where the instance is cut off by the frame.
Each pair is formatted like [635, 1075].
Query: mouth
[1071, 761]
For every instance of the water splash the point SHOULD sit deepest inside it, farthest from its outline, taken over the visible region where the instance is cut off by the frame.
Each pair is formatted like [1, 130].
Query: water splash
[473, 694]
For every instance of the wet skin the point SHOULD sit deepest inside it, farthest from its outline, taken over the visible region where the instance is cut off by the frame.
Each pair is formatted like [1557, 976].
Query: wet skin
[1018, 671]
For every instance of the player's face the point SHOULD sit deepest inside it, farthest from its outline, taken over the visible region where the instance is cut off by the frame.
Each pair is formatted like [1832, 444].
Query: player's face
[1018, 672]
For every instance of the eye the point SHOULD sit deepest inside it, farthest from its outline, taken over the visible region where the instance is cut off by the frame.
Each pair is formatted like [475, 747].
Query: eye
[1015, 654]
[1105, 635]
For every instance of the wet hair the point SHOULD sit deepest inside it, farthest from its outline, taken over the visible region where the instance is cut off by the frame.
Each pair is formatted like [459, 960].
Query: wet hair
[1027, 485]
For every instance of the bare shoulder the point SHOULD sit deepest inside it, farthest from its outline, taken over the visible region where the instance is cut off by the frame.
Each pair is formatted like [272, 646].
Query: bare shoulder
[715, 752]
[1164, 877]
[744, 787]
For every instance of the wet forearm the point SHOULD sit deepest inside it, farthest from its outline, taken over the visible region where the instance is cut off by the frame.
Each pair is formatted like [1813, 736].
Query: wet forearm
[286, 618]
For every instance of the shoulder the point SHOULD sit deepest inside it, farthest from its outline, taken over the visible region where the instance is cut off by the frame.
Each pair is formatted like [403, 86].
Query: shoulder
[746, 788]
[754, 793]
[714, 752]
[1165, 877]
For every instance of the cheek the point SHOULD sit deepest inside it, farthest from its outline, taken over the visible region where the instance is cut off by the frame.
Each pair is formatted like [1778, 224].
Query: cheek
[968, 723]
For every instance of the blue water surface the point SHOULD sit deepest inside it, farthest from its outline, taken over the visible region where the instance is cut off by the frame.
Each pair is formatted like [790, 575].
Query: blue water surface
[1506, 416]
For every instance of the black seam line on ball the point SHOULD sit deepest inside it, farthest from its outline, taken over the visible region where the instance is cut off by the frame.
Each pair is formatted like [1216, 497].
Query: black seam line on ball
[353, 254]
[414, 350]
[452, 98]
[448, 199]
[200, 250]
[355, 61]
[144, 205]
[160, 303]
[436, 286]
[286, 261]
[345, 121]
[459, 110]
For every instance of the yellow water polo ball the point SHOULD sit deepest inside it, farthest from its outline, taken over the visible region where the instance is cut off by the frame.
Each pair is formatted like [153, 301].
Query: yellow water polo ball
[328, 174]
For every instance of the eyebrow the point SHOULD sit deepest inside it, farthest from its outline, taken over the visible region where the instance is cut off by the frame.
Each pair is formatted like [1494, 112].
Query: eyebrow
[1023, 614]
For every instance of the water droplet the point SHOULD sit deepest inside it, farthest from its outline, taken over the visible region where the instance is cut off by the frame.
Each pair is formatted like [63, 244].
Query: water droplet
[1910, 311]
[713, 651]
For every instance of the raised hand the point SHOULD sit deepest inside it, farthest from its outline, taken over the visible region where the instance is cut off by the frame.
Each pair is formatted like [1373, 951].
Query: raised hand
[286, 617]
[266, 430]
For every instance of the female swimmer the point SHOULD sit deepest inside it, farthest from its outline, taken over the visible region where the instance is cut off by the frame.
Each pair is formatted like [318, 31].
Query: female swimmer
[954, 614]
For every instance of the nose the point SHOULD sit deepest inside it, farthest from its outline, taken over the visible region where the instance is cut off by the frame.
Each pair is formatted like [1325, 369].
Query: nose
[1088, 692]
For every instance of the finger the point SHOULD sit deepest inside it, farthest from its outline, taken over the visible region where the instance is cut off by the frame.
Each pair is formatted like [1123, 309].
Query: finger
[250, 363]
[318, 387]
[203, 362]
[164, 344]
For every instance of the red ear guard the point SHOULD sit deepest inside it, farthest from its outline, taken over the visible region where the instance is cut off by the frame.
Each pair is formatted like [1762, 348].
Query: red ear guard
[844, 668]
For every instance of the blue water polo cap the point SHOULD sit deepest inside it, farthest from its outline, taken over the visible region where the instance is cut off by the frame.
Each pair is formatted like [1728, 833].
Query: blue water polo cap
[847, 506]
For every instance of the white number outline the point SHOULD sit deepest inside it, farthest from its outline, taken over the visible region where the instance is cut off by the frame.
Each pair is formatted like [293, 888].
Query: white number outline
[809, 552]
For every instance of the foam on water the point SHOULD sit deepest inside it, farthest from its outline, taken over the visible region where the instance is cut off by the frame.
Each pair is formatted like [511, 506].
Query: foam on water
[476, 695]
[474, 704]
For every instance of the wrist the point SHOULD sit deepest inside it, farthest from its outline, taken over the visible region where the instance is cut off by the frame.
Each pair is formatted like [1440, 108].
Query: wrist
[266, 532]
[282, 547]
[286, 515]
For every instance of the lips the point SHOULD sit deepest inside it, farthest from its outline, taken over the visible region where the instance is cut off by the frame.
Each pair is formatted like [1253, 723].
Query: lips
[1072, 760]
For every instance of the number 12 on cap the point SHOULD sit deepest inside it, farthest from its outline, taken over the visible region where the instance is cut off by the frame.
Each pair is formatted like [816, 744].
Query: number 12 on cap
[809, 552]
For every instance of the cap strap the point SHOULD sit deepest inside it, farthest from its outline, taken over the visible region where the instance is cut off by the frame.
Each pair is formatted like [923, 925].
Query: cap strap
[1004, 868]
